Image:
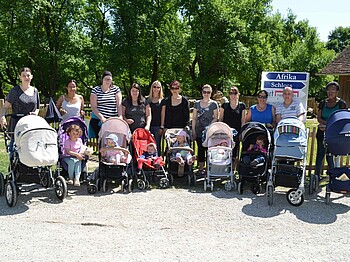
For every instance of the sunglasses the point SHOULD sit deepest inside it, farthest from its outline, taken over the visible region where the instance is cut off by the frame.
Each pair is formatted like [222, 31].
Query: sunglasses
[206, 92]
[174, 88]
[262, 97]
[157, 87]
[234, 93]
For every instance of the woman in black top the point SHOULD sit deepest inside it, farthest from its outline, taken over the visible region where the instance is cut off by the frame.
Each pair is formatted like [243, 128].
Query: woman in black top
[175, 109]
[134, 110]
[233, 113]
[155, 99]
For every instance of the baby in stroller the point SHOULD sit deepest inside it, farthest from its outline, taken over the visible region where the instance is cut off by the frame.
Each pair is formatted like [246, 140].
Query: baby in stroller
[259, 146]
[183, 155]
[150, 157]
[112, 155]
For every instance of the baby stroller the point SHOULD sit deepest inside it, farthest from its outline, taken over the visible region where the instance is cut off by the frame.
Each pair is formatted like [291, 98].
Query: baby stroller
[63, 136]
[140, 139]
[219, 140]
[173, 167]
[35, 152]
[253, 174]
[289, 160]
[337, 136]
[118, 173]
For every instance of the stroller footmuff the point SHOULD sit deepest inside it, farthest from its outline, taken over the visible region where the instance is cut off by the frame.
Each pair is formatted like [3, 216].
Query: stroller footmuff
[289, 161]
[35, 152]
[337, 140]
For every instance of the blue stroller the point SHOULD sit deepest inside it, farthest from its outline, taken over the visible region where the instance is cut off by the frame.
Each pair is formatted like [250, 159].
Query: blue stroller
[337, 138]
[289, 160]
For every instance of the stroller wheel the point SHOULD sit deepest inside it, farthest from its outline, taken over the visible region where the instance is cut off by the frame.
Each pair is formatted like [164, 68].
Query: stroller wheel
[240, 188]
[104, 185]
[123, 186]
[141, 184]
[130, 186]
[2, 184]
[164, 182]
[11, 194]
[205, 185]
[228, 186]
[313, 184]
[60, 187]
[171, 179]
[91, 189]
[328, 198]
[294, 197]
[270, 195]
[255, 189]
[212, 186]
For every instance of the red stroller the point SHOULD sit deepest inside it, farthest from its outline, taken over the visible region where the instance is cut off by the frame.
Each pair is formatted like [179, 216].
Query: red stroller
[149, 173]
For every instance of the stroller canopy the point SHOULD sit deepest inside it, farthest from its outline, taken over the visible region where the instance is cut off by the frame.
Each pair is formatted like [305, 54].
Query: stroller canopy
[219, 130]
[254, 128]
[338, 133]
[118, 126]
[36, 142]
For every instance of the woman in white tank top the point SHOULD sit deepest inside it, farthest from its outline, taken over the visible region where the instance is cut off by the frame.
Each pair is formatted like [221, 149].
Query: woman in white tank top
[71, 104]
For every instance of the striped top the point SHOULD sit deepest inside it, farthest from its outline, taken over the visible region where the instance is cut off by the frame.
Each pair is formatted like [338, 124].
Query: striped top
[106, 102]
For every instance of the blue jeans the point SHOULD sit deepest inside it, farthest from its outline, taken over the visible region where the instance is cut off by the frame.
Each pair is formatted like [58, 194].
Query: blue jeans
[154, 130]
[321, 152]
[247, 159]
[74, 167]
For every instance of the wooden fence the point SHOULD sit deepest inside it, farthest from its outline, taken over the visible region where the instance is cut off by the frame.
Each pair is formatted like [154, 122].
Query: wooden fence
[312, 144]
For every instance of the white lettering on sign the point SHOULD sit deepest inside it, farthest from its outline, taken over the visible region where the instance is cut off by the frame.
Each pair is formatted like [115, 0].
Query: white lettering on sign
[286, 77]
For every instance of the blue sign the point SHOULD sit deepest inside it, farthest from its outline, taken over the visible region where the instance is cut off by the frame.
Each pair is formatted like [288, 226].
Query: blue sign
[283, 84]
[287, 76]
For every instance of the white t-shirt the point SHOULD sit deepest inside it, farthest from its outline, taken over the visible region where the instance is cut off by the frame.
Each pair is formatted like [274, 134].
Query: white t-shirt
[295, 109]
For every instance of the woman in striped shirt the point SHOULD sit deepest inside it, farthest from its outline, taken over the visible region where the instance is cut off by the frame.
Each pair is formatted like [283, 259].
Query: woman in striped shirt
[105, 102]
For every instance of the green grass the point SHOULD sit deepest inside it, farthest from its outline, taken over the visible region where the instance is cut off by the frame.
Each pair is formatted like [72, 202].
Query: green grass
[3, 156]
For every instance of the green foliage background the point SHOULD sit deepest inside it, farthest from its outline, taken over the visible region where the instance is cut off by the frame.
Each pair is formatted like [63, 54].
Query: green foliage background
[219, 42]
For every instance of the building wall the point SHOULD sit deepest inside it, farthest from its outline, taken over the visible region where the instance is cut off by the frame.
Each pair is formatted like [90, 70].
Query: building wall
[344, 93]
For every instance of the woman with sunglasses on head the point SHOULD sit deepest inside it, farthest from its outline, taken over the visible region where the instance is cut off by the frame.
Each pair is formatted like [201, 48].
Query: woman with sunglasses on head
[262, 112]
[135, 111]
[71, 104]
[233, 113]
[326, 107]
[204, 113]
[155, 99]
[105, 100]
[175, 109]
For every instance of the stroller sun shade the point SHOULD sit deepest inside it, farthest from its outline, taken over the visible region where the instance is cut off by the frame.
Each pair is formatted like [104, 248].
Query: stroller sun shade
[338, 133]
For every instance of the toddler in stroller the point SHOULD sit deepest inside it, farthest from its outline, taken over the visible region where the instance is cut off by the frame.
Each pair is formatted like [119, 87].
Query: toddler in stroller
[179, 154]
[112, 155]
[289, 160]
[255, 156]
[114, 162]
[149, 164]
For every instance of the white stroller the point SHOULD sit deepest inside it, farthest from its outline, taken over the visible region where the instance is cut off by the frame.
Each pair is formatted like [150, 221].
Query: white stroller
[35, 152]
[219, 140]
[289, 160]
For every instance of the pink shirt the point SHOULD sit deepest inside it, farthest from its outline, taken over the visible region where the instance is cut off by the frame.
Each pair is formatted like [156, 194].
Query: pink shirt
[74, 146]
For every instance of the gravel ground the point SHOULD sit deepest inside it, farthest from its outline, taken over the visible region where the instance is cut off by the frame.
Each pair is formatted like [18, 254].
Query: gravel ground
[174, 224]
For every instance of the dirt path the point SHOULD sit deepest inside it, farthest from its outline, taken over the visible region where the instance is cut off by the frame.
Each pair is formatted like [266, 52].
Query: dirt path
[175, 224]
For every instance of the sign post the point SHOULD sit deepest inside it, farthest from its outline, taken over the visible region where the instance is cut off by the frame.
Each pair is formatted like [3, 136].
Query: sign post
[275, 82]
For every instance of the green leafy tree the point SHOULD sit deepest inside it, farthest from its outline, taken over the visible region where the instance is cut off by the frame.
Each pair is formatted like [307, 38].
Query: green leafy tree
[339, 39]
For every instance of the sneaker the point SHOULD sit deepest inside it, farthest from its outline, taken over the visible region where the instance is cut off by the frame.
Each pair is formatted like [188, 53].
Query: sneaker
[70, 182]
[254, 162]
[76, 182]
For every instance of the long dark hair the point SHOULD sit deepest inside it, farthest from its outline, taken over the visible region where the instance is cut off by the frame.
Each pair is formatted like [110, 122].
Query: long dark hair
[140, 98]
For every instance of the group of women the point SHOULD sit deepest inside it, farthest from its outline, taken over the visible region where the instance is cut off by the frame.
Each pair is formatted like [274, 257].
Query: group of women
[157, 113]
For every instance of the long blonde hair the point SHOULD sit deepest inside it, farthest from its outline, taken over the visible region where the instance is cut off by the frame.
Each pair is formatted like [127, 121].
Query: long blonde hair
[161, 94]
